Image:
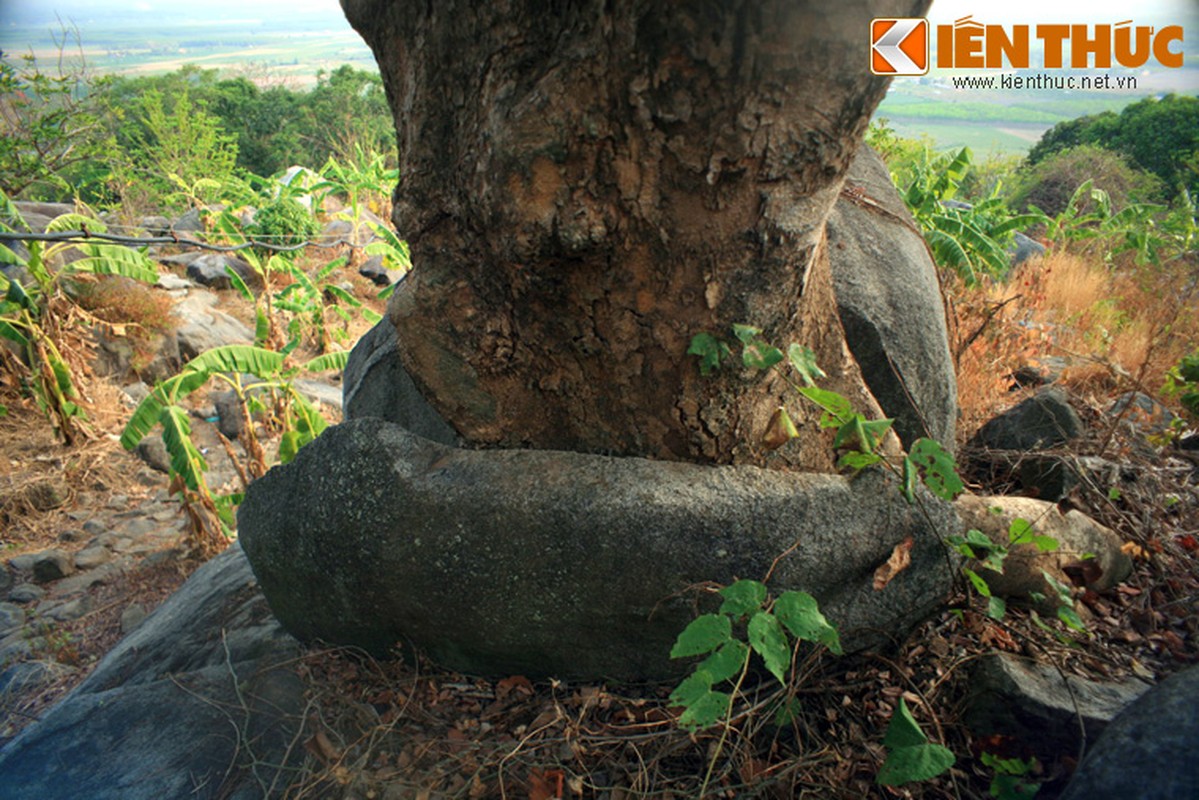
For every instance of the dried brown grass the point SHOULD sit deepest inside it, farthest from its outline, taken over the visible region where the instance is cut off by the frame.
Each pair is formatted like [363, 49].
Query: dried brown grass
[1115, 327]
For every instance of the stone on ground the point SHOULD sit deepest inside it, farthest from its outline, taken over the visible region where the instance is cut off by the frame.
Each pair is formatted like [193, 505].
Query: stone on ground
[547, 563]
[890, 304]
[196, 702]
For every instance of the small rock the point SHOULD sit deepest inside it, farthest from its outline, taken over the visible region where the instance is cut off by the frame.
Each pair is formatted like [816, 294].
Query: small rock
[15, 647]
[153, 451]
[131, 617]
[68, 611]
[373, 270]
[94, 527]
[72, 535]
[139, 526]
[320, 392]
[46, 495]
[1023, 248]
[11, 618]
[202, 328]
[155, 225]
[50, 565]
[190, 222]
[173, 283]
[23, 563]
[5, 579]
[230, 419]
[212, 270]
[148, 477]
[1033, 703]
[92, 557]
[103, 574]
[136, 392]
[118, 501]
[1047, 477]
[26, 593]
[1143, 411]
[1044, 420]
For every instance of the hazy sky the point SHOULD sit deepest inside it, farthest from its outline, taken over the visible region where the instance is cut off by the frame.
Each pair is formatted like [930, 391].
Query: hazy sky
[1185, 12]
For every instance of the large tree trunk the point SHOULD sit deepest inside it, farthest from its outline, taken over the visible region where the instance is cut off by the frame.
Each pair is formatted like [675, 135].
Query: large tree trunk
[585, 186]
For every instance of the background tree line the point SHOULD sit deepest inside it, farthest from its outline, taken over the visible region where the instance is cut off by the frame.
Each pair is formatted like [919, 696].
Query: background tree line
[165, 141]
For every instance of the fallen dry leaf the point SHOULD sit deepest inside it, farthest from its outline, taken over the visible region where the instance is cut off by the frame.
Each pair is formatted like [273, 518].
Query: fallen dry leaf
[901, 559]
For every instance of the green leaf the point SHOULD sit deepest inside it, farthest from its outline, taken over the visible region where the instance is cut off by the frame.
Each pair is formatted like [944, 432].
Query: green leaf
[710, 351]
[801, 614]
[917, 763]
[262, 326]
[16, 294]
[237, 358]
[759, 355]
[867, 433]
[692, 688]
[115, 260]
[787, 712]
[705, 633]
[344, 296]
[742, 598]
[838, 410]
[903, 730]
[1021, 531]
[746, 333]
[239, 284]
[1069, 616]
[725, 662]
[767, 638]
[75, 222]
[978, 582]
[329, 361]
[940, 472]
[996, 607]
[804, 362]
[909, 480]
[10, 332]
[706, 711]
[1012, 787]
[186, 459]
[857, 460]
[149, 412]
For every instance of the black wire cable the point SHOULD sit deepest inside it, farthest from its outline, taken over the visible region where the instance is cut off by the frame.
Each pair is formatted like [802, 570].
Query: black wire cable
[84, 236]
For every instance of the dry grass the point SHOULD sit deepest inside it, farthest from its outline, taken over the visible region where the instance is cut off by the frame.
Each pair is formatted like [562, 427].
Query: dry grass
[1115, 329]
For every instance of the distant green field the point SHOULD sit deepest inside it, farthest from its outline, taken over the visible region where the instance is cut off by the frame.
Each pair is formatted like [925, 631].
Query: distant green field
[987, 121]
[270, 54]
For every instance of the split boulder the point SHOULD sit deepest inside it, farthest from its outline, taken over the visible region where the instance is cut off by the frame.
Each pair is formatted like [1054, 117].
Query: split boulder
[549, 563]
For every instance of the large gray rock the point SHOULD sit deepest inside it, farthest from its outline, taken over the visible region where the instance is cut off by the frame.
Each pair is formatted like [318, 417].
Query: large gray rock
[202, 327]
[1148, 751]
[1024, 573]
[545, 563]
[375, 384]
[1044, 420]
[890, 304]
[197, 702]
[1040, 706]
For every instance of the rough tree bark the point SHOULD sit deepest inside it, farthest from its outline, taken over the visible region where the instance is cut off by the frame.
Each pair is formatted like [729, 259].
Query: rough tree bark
[586, 185]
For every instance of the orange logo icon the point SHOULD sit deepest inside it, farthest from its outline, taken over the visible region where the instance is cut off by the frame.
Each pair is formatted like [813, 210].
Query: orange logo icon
[898, 46]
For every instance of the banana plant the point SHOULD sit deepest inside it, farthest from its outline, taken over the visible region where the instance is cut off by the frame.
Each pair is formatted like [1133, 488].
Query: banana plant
[271, 377]
[36, 317]
[970, 239]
